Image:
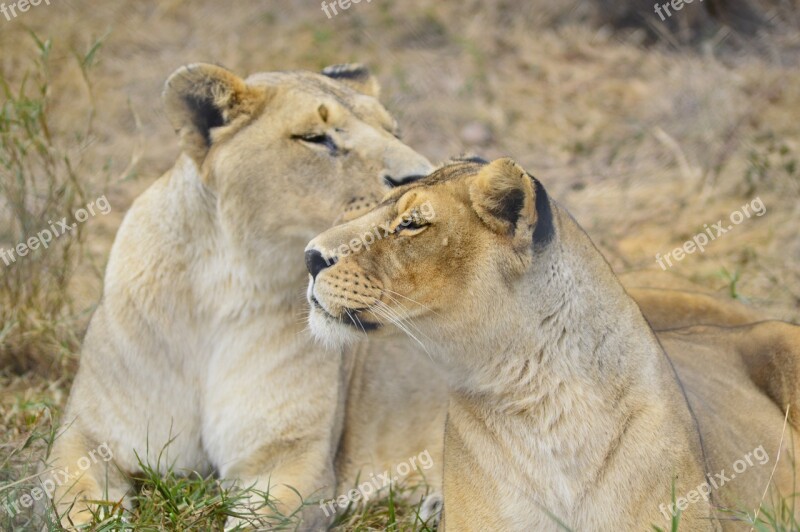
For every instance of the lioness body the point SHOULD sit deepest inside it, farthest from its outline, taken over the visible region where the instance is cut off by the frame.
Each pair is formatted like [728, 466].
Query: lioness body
[564, 407]
[196, 358]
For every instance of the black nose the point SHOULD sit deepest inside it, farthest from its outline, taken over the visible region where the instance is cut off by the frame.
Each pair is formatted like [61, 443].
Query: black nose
[392, 181]
[315, 262]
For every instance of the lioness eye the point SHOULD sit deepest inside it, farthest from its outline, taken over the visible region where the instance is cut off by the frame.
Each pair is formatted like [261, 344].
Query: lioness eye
[415, 222]
[322, 139]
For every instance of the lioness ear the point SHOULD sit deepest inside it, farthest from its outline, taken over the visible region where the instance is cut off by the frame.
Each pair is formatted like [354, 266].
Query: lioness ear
[355, 76]
[201, 97]
[511, 202]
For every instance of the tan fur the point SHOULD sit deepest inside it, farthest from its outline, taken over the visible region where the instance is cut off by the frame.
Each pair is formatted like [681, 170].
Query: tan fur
[669, 302]
[672, 309]
[563, 403]
[199, 336]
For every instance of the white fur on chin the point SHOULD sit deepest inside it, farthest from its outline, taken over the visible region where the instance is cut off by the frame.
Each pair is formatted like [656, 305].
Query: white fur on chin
[330, 332]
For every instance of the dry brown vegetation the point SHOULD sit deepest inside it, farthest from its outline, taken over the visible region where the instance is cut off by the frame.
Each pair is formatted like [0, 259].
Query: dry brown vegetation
[643, 137]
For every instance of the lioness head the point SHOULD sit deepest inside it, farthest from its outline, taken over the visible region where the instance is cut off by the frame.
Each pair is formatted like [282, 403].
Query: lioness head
[283, 154]
[435, 256]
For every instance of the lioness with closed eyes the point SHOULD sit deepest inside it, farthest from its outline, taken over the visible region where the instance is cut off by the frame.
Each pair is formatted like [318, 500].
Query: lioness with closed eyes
[196, 358]
[565, 407]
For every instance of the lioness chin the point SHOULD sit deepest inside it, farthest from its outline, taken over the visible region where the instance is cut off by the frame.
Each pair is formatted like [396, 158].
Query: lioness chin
[196, 358]
[564, 406]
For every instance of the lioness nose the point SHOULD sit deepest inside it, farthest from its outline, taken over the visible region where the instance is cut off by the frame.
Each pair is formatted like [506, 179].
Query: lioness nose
[315, 262]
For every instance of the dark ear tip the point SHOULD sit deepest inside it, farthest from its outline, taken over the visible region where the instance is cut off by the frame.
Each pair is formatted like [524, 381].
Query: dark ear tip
[544, 232]
[346, 71]
[469, 158]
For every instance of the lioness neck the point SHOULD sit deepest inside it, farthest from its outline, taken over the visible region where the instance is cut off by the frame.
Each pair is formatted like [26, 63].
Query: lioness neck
[221, 283]
[563, 387]
[567, 318]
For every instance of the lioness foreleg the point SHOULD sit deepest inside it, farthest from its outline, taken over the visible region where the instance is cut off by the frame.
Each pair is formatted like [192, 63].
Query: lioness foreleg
[81, 478]
[272, 424]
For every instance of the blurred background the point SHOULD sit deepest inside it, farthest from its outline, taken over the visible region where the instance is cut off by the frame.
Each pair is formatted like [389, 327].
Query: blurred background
[646, 126]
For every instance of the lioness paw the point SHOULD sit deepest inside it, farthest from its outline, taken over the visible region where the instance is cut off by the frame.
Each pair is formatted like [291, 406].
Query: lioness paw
[430, 511]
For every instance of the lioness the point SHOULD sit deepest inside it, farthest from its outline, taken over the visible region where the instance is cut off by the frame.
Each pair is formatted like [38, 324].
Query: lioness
[564, 407]
[197, 348]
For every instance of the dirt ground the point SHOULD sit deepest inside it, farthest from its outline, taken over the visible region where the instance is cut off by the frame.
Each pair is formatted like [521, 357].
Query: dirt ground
[646, 144]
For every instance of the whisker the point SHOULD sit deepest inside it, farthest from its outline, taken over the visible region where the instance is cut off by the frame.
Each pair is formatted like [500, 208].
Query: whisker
[303, 317]
[306, 329]
[406, 318]
[355, 321]
[392, 316]
[412, 301]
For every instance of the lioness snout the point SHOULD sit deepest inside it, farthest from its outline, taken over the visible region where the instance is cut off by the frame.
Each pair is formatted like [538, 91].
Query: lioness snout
[402, 165]
[315, 262]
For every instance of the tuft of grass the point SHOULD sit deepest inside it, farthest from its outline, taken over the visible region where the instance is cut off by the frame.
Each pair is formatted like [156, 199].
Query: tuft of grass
[21, 462]
[166, 499]
[676, 517]
[396, 508]
[174, 500]
[40, 184]
[732, 280]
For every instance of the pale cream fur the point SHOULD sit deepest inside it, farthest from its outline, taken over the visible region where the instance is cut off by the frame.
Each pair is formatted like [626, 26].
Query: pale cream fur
[196, 358]
[564, 404]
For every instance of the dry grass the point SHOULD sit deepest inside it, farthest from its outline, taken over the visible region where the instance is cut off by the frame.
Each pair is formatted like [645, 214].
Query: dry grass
[40, 182]
[644, 145]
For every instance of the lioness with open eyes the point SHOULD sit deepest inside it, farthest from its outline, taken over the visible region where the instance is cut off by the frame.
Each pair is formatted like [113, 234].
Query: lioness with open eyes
[564, 406]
